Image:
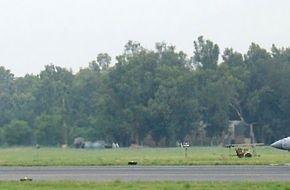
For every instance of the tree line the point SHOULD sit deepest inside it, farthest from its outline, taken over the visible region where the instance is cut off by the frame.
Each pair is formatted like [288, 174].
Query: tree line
[155, 97]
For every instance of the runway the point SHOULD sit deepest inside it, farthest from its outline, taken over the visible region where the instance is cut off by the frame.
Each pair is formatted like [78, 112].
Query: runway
[150, 173]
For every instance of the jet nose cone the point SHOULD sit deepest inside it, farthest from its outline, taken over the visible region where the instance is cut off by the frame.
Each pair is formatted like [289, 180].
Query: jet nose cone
[277, 144]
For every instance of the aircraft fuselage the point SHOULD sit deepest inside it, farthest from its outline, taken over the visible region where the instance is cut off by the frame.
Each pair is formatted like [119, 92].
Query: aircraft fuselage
[283, 144]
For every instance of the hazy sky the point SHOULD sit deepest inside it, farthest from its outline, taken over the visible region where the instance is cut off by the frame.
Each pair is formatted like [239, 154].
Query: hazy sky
[70, 33]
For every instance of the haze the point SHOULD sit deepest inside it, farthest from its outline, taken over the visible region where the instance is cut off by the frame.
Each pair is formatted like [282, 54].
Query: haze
[70, 33]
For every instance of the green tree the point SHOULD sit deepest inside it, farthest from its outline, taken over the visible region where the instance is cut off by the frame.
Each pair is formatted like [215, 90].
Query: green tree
[24, 99]
[84, 102]
[215, 94]
[6, 100]
[232, 58]
[17, 132]
[53, 95]
[129, 86]
[104, 61]
[206, 53]
[48, 129]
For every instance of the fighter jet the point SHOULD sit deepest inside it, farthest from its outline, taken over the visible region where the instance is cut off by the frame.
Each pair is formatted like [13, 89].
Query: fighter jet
[283, 144]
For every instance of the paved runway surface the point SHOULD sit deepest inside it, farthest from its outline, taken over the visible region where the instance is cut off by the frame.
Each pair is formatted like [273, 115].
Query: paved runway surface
[150, 173]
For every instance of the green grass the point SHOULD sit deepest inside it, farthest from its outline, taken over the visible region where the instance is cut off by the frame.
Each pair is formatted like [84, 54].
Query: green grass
[160, 185]
[144, 156]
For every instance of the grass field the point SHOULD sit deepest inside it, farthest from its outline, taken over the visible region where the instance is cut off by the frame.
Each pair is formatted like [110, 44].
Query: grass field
[161, 185]
[26, 156]
[144, 156]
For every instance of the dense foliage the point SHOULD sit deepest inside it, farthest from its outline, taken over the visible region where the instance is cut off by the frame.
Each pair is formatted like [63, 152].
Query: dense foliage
[154, 97]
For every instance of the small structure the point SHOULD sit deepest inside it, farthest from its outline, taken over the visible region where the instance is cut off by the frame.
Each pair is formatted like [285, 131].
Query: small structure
[186, 144]
[239, 132]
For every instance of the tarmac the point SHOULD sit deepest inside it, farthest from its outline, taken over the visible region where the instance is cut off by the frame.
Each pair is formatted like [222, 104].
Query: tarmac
[151, 173]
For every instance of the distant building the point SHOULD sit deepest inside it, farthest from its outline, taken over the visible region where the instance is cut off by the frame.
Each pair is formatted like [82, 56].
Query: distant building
[239, 132]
